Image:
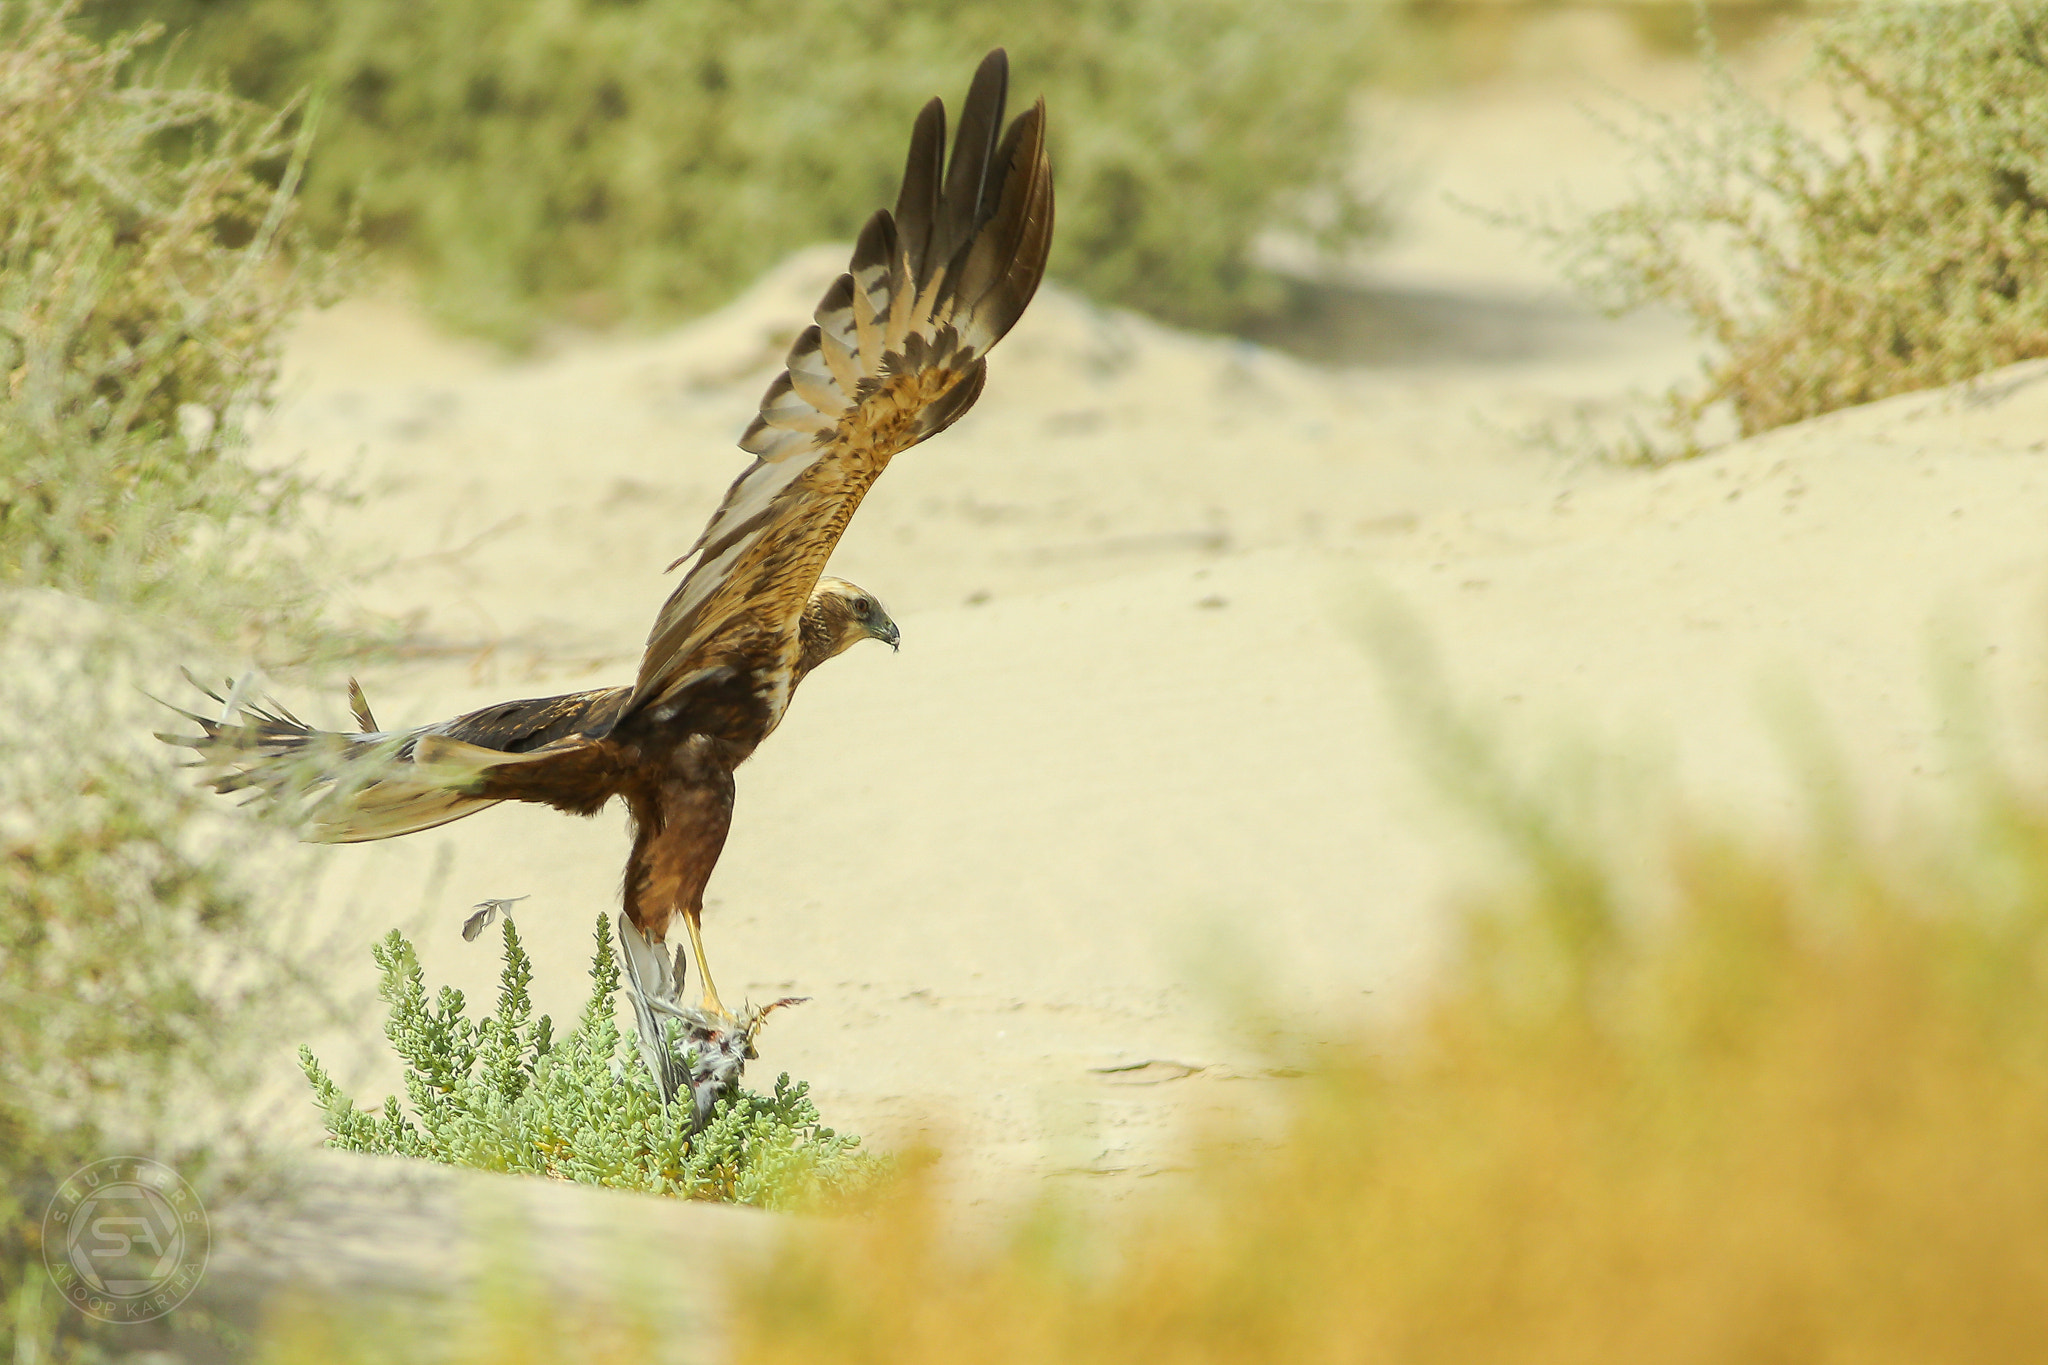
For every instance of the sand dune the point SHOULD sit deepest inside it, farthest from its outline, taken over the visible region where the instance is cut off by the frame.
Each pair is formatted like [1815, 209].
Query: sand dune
[1135, 747]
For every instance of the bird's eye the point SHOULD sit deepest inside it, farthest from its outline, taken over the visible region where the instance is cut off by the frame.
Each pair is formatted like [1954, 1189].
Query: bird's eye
[864, 605]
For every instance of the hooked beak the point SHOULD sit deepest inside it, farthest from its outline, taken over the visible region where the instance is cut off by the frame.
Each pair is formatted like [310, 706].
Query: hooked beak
[891, 636]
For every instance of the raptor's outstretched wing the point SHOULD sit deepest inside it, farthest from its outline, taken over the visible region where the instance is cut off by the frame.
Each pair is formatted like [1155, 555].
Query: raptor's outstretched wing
[896, 356]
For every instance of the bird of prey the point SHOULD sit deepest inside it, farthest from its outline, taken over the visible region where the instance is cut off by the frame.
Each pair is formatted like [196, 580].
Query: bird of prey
[896, 355]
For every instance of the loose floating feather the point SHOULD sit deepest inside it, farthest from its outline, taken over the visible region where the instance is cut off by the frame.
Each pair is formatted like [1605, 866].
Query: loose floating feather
[359, 706]
[487, 911]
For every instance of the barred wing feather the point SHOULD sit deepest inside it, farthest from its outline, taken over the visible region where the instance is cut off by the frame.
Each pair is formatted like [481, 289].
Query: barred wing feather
[895, 356]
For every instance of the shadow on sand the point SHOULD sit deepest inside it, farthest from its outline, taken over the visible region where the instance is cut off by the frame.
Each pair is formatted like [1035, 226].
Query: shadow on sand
[1342, 322]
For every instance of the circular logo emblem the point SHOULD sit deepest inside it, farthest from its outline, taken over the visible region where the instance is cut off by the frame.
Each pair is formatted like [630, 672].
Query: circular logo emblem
[125, 1239]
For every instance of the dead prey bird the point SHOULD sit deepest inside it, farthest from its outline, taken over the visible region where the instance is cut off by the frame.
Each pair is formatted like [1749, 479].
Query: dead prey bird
[896, 355]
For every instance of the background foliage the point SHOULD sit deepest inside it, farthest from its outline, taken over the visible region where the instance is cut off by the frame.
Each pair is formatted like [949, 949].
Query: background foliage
[1904, 246]
[642, 160]
[145, 233]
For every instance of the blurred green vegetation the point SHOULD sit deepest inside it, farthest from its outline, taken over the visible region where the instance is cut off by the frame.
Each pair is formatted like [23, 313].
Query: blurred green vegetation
[145, 934]
[1452, 42]
[502, 1094]
[1901, 246]
[148, 259]
[150, 256]
[640, 160]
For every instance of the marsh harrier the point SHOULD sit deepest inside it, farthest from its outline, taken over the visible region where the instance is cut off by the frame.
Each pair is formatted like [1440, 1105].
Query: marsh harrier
[896, 355]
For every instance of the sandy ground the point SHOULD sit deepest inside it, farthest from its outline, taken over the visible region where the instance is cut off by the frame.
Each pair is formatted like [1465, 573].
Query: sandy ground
[1135, 752]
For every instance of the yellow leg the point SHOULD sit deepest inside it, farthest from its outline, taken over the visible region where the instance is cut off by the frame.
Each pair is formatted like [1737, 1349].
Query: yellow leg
[711, 1003]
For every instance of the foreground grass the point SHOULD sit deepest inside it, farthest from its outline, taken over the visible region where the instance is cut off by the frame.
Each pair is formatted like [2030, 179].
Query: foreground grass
[1704, 1097]
[147, 242]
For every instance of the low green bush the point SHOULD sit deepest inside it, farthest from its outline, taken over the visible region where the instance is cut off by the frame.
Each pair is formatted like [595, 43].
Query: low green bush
[502, 1094]
[1905, 246]
[639, 161]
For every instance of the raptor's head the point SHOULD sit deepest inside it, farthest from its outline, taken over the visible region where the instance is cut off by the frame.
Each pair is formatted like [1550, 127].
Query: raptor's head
[839, 616]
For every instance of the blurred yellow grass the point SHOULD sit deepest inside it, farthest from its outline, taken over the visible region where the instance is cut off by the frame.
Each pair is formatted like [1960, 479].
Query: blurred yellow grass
[1799, 1114]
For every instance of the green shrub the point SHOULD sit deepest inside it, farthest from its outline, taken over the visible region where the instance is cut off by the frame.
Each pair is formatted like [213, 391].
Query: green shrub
[500, 1094]
[144, 236]
[643, 161]
[1905, 247]
[143, 231]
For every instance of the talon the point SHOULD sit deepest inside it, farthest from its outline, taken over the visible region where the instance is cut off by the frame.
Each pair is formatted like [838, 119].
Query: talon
[709, 1002]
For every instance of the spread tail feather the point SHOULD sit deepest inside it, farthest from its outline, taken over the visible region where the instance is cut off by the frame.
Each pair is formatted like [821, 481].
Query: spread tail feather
[337, 788]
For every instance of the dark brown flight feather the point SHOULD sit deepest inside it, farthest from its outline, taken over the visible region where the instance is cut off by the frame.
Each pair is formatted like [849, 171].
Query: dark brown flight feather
[907, 330]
